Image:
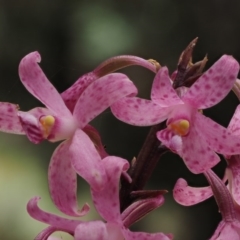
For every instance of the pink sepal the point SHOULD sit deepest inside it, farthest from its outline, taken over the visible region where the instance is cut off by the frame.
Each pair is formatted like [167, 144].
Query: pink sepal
[101, 94]
[140, 112]
[63, 182]
[188, 196]
[86, 161]
[9, 121]
[214, 84]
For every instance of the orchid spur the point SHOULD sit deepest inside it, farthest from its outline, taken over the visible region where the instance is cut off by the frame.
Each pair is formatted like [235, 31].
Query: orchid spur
[107, 204]
[189, 133]
[56, 122]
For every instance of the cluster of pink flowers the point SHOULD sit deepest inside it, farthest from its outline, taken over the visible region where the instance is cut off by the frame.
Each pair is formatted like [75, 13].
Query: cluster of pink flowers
[176, 107]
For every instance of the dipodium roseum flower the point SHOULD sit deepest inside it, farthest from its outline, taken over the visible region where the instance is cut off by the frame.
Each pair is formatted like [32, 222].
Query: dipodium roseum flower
[187, 195]
[193, 136]
[56, 122]
[107, 204]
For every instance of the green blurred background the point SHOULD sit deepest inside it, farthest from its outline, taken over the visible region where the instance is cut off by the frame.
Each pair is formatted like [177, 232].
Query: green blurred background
[73, 37]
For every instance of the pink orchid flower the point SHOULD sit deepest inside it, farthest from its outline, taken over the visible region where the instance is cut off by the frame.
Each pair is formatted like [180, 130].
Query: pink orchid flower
[193, 136]
[187, 195]
[107, 204]
[56, 122]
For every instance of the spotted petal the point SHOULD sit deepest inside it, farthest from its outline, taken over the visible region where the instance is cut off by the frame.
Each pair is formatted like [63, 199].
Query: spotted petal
[71, 95]
[140, 112]
[234, 125]
[9, 121]
[188, 196]
[217, 137]
[163, 93]
[214, 84]
[63, 182]
[193, 149]
[100, 95]
[39, 86]
[107, 200]
[86, 161]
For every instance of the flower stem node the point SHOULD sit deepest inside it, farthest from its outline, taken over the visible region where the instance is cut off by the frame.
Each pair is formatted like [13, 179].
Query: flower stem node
[180, 127]
[47, 123]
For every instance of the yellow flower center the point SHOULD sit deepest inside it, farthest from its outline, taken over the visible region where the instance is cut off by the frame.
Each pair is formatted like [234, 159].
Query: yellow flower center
[180, 127]
[47, 123]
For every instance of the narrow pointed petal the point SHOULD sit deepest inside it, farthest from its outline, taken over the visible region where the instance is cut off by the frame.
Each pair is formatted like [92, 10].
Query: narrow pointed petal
[9, 121]
[39, 86]
[128, 235]
[107, 201]
[163, 93]
[234, 125]
[217, 137]
[71, 95]
[94, 230]
[100, 95]
[188, 196]
[214, 84]
[49, 218]
[86, 161]
[96, 139]
[140, 112]
[62, 180]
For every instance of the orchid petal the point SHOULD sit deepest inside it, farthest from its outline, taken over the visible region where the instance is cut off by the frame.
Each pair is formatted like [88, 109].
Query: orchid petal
[49, 218]
[63, 182]
[226, 231]
[234, 178]
[140, 112]
[188, 196]
[100, 95]
[234, 125]
[217, 137]
[71, 95]
[45, 234]
[214, 84]
[193, 149]
[107, 201]
[9, 121]
[163, 93]
[39, 86]
[196, 153]
[86, 161]
[94, 230]
[128, 235]
[96, 139]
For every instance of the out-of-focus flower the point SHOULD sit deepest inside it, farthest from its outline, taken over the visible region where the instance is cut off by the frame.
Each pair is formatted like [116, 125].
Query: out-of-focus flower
[107, 204]
[193, 136]
[57, 122]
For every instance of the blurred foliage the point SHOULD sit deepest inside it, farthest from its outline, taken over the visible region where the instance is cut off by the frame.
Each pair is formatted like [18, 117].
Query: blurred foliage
[73, 37]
